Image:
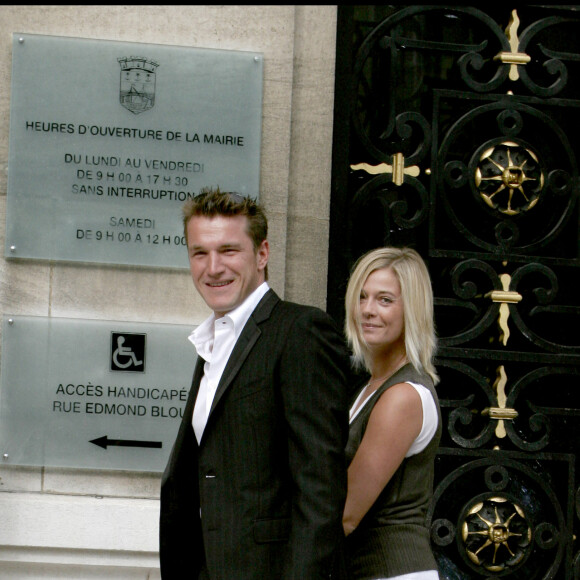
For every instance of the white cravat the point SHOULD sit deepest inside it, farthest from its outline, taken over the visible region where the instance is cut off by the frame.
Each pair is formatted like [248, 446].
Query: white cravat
[214, 339]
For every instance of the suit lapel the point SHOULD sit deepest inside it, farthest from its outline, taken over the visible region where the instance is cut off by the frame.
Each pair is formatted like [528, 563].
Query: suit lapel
[244, 344]
[197, 374]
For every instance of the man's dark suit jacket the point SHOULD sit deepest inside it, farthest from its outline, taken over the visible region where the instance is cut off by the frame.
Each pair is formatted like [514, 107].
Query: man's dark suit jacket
[269, 474]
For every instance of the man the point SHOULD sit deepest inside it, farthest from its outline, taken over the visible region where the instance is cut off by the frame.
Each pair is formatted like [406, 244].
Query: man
[256, 482]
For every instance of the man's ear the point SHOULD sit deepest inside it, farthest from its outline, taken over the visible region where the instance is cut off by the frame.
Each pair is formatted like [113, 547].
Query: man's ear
[263, 254]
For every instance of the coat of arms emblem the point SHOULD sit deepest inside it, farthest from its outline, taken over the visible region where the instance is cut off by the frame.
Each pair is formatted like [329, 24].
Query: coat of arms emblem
[137, 88]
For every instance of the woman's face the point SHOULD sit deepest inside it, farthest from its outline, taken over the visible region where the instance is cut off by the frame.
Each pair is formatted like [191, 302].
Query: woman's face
[381, 311]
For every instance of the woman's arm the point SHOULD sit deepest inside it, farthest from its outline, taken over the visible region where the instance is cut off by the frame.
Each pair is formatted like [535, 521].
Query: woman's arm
[394, 424]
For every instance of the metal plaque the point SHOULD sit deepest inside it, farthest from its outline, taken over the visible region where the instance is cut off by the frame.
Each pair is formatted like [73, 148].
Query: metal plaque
[108, 139]
[92, 394]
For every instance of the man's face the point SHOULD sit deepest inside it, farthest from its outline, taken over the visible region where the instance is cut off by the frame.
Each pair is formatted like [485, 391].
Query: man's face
[224, 266]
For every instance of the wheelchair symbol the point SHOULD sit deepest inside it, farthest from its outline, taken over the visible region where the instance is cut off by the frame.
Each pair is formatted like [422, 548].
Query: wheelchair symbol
[126, 353]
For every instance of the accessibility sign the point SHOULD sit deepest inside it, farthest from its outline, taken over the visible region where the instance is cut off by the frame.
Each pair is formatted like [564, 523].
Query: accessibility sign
[92, 394]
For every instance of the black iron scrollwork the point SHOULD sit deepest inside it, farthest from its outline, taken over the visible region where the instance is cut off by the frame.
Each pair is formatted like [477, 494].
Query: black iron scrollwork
[470, 280]
[401, 42]
[542, 396]
[539, 301]
[465, 425]
[493, 168]
[551, 62]
[381, 212]
[498, 531]
[462, 143]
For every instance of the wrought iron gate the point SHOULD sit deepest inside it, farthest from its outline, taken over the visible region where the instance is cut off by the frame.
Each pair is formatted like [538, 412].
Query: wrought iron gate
[457, 131]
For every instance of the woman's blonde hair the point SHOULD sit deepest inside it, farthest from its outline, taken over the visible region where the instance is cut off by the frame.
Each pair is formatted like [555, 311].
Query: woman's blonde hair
[417, 296]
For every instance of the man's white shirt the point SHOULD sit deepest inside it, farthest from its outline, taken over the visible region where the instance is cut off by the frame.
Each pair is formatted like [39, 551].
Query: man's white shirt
[214, 340]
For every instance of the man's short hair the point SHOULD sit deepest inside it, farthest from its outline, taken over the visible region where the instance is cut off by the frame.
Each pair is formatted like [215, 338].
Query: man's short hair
[211, 202]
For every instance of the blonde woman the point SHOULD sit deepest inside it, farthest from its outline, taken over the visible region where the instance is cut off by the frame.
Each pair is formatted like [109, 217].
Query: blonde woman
[395, 421]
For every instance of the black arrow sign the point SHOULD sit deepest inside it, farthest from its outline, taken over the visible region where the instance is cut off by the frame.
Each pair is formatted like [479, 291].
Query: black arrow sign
[104, 441]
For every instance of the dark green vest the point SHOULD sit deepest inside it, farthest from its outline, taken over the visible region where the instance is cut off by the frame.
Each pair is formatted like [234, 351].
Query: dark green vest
[392, 538]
